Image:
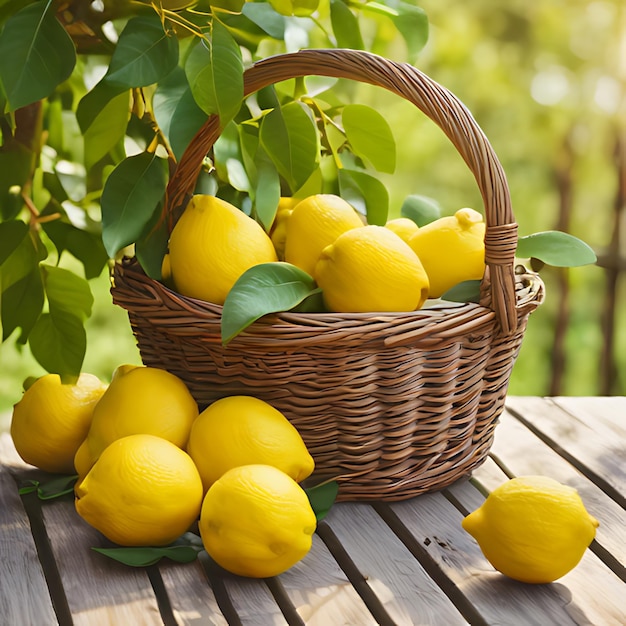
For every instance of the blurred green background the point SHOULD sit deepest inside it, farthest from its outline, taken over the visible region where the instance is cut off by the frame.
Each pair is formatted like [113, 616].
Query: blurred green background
[546, 81]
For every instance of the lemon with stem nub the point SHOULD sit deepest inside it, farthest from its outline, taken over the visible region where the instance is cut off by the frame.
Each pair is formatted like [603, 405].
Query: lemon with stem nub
[532, 528]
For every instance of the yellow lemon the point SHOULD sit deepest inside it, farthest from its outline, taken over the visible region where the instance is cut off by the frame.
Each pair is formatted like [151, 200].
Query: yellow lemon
[52, 419]
[256, 521]
[371, 269]
[278, 231]
[532, 528]
[314, 223]
[243, 430]
[139, 399]
[451, 249]
[404, 227]
[142, 491]
[212, 245]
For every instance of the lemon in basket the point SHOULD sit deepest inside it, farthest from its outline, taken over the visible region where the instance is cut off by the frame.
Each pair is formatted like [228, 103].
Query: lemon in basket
[371, 269]
[139, 400]
[52, 419]
[212, 245]
[404, 227]
[451, 249]
[532, 528]
[278, 231]
[256, 521]
[142, 491]
[314, 223]
[242, 430]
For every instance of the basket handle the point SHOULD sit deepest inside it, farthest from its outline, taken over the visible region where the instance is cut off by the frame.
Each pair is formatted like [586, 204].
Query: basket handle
[435, 101]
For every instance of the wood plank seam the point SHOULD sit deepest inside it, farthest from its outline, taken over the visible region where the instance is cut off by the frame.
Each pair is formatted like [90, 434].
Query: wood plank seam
[586, 471]
[162, 597]
[32, 507]
[282, 599]
[219, 589]
[456, 596]
[354, 575]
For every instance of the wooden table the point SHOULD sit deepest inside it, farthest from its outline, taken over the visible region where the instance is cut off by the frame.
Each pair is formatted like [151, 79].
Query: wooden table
[404, 563]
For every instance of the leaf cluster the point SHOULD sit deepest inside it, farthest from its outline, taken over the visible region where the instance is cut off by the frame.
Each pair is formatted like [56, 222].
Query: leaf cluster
[99, 102]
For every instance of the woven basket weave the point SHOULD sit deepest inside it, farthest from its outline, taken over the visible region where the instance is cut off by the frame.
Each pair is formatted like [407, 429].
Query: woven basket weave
[389, 404]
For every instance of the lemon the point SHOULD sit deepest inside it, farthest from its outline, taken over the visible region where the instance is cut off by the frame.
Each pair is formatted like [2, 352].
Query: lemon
[142, 491]
[243, 430]
[314, 223]
[52, 419]
[212, 245]
[371, 269]
[404, 227]
[256, 521]
[532, 528]
[451, 249]
[139, 400]
[278, 231]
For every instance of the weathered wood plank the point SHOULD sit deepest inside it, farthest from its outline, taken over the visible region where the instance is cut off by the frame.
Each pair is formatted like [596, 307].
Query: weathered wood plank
[191, 597]
[98, 589]
[582, 429]
[592, 589]
[21, 576]
[321, 592]
[406, 591]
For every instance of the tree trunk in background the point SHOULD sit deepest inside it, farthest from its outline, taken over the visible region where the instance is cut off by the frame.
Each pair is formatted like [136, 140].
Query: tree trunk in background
[614, 262]
[564, 183]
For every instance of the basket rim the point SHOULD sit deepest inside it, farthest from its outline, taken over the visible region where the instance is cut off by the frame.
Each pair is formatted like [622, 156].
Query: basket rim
[436, 102]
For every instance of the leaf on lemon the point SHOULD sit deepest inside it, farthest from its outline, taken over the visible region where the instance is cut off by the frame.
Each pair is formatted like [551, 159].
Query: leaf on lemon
[421, 209]
[467, 291]
[556, 248]
[264, 288]
[322, 497]
[51, 489]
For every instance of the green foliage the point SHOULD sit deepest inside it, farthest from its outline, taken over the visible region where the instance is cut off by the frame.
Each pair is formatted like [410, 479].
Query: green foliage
[93, 126]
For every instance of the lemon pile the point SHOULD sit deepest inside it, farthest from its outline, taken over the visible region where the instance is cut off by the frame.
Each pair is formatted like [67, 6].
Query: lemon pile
[358, 267]
[150, 465]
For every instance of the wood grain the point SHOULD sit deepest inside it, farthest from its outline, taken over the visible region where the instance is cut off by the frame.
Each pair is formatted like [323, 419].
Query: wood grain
[24, 596]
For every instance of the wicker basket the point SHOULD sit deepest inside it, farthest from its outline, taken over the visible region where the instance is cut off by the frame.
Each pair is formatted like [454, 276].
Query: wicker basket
[389, 404]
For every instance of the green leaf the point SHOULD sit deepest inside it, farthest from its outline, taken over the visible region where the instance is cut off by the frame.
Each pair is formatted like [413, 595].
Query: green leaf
[370, 136]
[103, 116]
[130, 197]
[264, 288]
[290, 138]
[21, 305]
[421, 209]
[23, 258]
[144, 54]
[58, 342]
[151, 248]
[322, 497]
[262, 14]
[176, 111]
[36, 55]
[11, 234]
[184, 550]
[345, 26]
[267, 193]
[556, 248]
[215, 73]
[466, 291]
[365, 193]
[51, 489]
[67, 293]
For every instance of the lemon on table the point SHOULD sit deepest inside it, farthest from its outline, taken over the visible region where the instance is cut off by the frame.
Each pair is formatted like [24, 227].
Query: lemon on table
[371, 269]
[52, 419]
[256, 521]
[139, 400]
[404, 227]
[314, 223]
[142, 491]
[212, 245]
[244, 430]
[451, 249]
[532, 528]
